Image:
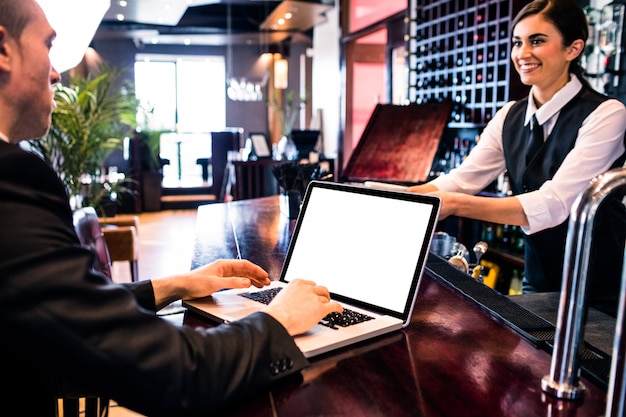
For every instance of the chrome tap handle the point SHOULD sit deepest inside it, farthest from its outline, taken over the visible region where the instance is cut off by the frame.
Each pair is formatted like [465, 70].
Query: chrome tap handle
[615, 406]
[563, 381]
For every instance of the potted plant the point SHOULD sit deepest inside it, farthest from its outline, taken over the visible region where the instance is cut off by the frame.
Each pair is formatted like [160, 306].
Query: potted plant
[287, 109]
[105, 194]
[92, 114]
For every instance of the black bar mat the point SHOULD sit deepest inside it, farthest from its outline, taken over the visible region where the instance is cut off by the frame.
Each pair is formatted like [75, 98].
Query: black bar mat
[595, 364]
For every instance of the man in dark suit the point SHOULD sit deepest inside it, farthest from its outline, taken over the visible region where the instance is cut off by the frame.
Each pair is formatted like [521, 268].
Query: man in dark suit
[67, 329]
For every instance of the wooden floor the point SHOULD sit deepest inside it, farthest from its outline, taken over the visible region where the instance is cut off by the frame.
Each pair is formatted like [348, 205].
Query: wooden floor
[166, 245]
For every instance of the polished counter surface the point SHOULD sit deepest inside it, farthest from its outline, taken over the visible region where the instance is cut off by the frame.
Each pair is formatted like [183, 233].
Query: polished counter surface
[456, 358]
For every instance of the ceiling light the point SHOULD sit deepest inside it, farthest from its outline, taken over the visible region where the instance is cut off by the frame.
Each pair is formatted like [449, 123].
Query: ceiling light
[123, 3]
[73, 35]
[281, 72]
[303, 16]
[120, 17]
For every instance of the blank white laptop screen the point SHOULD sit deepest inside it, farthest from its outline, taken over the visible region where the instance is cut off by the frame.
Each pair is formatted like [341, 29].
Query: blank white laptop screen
[362, 246]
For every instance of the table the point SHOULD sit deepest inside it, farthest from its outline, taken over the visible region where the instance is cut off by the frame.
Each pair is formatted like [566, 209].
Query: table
[454, 359]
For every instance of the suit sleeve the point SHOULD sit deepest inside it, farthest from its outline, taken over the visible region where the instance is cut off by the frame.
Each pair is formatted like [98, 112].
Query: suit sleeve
[62, 319]
[143, 292]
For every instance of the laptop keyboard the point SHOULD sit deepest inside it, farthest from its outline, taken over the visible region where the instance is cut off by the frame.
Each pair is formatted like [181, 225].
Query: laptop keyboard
[344, 319]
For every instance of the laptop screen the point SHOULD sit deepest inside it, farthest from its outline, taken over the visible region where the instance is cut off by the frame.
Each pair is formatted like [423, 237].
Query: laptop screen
[363, 244]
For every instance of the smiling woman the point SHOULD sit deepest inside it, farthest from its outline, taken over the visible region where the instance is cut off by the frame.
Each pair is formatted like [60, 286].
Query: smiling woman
[580, 135]
[73, 34]
[544, 55]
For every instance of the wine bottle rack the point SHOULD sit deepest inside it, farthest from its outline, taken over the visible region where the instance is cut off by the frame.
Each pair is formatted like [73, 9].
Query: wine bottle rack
[459, 50]
[603, 59]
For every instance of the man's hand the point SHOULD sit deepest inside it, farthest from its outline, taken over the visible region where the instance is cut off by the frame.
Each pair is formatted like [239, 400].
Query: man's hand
[301, 305]
[221, 274]
[207, 279]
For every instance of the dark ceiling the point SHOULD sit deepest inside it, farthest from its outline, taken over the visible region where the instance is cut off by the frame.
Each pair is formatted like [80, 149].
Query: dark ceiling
[235, 21]
[245, 17]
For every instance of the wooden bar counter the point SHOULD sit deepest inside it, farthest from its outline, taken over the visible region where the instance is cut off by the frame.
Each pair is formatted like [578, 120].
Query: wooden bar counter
[455, 359]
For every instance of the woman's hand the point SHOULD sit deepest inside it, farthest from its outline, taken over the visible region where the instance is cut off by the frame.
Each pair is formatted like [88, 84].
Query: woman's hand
[448, 205]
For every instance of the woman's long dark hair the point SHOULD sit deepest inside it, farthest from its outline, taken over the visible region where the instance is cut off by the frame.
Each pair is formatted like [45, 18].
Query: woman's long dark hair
[569, 19]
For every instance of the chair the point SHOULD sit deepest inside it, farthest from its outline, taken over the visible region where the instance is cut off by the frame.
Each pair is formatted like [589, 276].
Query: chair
[121, 234]
[221, 167]
[90, 235]
[205, 164]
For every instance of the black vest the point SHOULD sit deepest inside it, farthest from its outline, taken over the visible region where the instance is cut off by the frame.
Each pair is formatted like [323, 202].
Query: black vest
[544, 253]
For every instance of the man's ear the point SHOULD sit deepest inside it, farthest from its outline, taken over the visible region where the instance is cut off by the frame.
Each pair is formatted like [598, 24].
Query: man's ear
[5, 50]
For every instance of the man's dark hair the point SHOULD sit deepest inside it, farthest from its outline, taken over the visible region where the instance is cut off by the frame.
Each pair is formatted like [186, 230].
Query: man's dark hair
[14, 16]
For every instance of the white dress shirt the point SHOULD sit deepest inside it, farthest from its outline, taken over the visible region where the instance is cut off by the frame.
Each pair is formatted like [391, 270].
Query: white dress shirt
[599, 143]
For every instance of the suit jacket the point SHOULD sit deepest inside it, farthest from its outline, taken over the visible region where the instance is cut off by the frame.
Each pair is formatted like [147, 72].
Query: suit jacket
[67, 330]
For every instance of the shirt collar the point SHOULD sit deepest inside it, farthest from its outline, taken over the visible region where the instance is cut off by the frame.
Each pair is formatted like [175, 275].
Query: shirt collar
[555, 104]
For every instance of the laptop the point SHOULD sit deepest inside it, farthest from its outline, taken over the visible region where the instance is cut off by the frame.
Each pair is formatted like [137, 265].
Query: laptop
[368, 246]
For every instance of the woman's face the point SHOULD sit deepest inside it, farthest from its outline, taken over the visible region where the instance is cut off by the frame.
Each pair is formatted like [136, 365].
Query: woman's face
[540, 57]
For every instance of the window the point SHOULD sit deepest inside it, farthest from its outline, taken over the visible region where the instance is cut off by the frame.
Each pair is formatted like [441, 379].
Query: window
[155, 87]
[186, 94]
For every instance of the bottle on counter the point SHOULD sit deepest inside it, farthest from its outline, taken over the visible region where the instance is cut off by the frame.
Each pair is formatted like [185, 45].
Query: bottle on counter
[516, 283]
